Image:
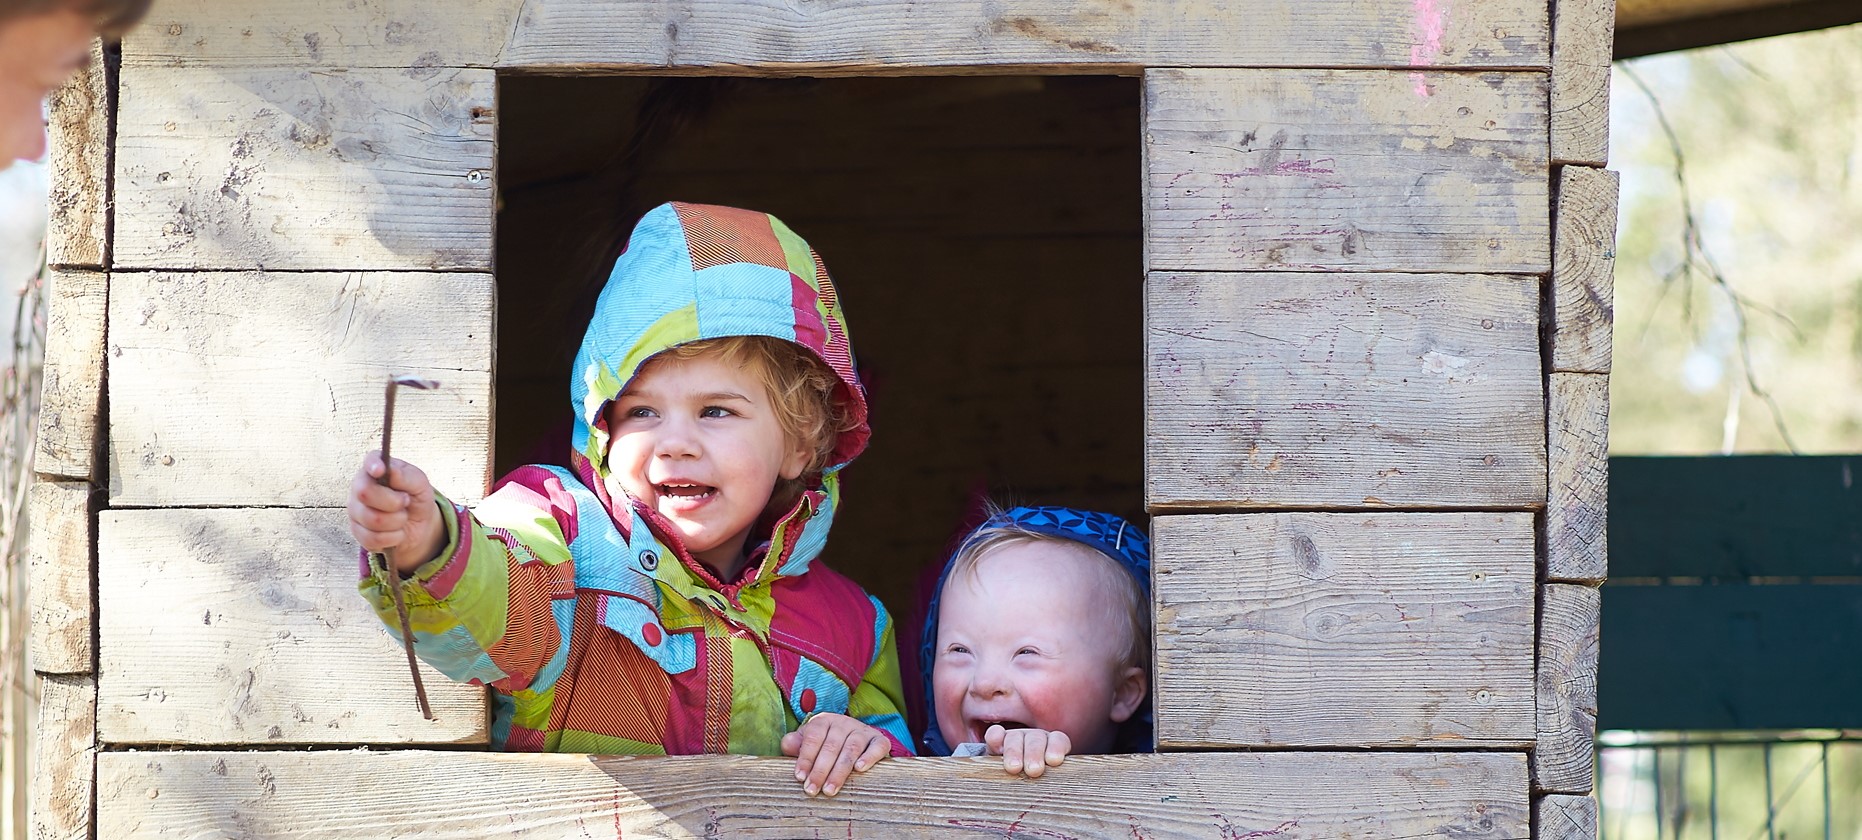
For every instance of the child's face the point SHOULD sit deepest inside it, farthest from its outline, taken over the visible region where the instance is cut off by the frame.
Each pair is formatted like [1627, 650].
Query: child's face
[698, 441]
[1033, 639]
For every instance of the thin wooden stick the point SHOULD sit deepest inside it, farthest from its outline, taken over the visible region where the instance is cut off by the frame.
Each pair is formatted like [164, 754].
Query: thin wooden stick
[394, 575]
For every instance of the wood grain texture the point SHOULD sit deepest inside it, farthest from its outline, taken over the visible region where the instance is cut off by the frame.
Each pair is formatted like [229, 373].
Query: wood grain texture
[457, 795]
[1346, 170]
[243, 626]
[1556, 816]
[304, 169]
[325, 33]
[78, 146]
[1583, 287]
[1577, 504]
[70, 402]
[1569, 623]
[64, 772]
[60, 561]
[1583, 40]
[1313, 390]
[865, 38]
[266, 389]
[1344, 630]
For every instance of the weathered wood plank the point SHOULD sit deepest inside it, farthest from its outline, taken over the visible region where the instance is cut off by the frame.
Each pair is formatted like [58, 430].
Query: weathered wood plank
[1344, 630]
[60, 561]
[240, 626]
[64, 769]
[1583, 38]
[1577, 505]
[1311, 390]
[878, 36]
[70, 403]
[1569, 621]
[448, 795]
[892, 34]
[1583, 283]
[266, 389]
[294, 169]
[325, 33]
[1346, 170]
[1556, 816]
[78, 138]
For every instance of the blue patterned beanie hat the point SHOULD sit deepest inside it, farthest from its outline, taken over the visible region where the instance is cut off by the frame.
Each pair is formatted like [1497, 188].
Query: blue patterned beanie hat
[1109, 535]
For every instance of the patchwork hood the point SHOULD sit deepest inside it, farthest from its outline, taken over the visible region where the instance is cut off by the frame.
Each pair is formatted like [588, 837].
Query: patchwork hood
[692, 272]
[1109, 535]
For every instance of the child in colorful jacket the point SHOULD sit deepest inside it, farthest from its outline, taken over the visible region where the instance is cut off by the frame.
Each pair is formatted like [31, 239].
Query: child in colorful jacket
[1037, 640]
[663, 596]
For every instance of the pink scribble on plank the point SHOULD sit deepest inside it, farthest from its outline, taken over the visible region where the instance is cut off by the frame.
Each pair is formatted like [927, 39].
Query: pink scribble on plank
[1297, 166]
[1431, 22]
[1230, 833]
[1010, 829]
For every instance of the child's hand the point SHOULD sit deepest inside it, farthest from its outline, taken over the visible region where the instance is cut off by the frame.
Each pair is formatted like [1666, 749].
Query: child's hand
[400, 520]
[1028, 751]
[830, 747]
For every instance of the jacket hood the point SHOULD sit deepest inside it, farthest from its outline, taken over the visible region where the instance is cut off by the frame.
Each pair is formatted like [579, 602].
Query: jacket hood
[1109, 535]
[692, 272]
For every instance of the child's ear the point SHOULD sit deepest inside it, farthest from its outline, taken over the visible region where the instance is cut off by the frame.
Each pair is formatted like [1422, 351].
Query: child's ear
[1129, 694]
[795, 460]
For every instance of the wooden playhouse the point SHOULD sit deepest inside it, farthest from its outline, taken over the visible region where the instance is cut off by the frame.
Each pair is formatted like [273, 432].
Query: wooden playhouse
[1323, 286]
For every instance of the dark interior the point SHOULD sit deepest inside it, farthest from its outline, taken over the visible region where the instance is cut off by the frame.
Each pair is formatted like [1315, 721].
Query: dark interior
[984, 233]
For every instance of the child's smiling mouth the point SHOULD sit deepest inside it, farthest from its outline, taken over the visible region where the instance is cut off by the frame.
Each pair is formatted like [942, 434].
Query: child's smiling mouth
[685, 495]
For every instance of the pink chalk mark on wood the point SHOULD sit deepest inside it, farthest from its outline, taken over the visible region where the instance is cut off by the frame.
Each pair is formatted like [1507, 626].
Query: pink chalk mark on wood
[1011, 830]
[1230, 833]
[1297, 166]
[1431, 22]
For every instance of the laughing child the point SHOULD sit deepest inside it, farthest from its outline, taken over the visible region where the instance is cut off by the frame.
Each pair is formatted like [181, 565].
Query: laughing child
[1037, 641]
[663, 595]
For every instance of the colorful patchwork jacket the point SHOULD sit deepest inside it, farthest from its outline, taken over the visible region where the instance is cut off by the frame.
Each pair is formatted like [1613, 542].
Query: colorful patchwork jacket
[581, 607]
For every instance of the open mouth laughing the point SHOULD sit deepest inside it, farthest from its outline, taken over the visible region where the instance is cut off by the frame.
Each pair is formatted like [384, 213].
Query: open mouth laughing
[685, 495]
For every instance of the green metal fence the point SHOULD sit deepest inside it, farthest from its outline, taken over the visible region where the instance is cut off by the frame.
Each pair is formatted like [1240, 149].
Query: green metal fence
[1730, 786]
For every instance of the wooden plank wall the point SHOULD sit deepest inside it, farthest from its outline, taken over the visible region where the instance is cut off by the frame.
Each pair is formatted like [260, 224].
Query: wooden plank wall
[1347, 412]
[1579, 312]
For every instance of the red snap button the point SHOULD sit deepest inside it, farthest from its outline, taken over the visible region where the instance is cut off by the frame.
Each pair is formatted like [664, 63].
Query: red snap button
[808, 701]
[651, 632]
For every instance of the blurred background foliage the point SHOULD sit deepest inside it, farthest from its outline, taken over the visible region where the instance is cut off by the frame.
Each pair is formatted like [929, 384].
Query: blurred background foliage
[1770, 135]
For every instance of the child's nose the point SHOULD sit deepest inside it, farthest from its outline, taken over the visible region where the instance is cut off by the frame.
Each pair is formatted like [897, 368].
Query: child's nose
[990, 681]
[676, 440]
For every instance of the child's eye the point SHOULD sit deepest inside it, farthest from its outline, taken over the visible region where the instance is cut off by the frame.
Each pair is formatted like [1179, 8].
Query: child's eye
[957, 649]
[639, 411]
[715, 411]
[1027, 650]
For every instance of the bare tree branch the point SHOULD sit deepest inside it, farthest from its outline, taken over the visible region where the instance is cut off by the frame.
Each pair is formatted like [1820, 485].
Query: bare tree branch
[1696, 261]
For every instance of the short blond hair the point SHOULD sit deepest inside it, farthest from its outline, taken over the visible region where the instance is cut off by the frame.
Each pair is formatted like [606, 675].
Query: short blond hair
[1131, 597]
[808, 399]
